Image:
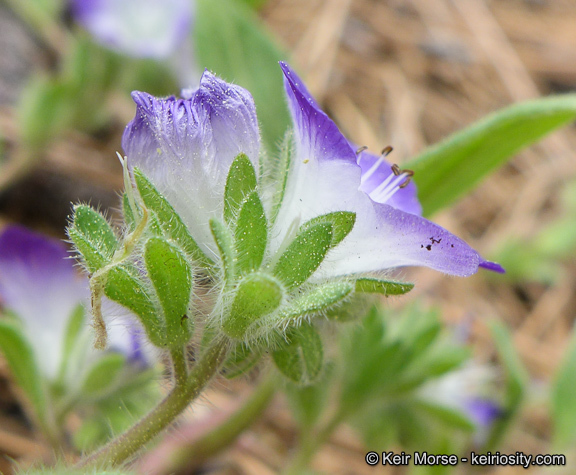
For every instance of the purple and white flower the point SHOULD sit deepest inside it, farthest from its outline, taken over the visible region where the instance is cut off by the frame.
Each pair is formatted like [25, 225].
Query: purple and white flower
[39, 283]
[467, 390]
[186, 146]
[140, 28]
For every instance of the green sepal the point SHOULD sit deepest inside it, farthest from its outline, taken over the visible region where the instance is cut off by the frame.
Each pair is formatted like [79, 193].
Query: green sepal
[258, 294]
[385, 287]
[250, 235]
[169, 220]
[93, 237]
[317, 300]
[342, 223]
[20, 357]
[304, 254]
[280, 172]
[241, 359]
[241, 181]
[225, 242]
[171, 277]
[154, 225]
[103, 375]
[128, 213]
[127, 289]
[301, 359]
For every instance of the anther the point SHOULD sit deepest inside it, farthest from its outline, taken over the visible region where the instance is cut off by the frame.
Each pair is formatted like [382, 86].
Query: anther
[361, 149]
[398, 171]
[387, 150]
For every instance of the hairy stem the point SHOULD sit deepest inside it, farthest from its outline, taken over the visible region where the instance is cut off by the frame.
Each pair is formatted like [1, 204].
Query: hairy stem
[194, 454]
[186, 388]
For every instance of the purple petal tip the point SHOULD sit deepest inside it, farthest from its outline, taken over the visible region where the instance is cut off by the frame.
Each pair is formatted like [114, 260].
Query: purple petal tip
[492, 266]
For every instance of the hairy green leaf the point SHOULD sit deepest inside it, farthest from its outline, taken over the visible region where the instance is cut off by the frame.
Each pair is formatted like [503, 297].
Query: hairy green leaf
[225, 243]
[384, 287]
[92, 236]
[171, 276]
[304, 254]
[342, 223]
[278, 176]
[240, 183]
[127, 289]
[317, 300]
[169, 220]
[301, 359]
[251, 234]
[258, 294]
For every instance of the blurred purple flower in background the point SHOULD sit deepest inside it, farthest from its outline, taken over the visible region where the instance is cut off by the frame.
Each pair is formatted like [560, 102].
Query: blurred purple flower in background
[39, 284]
[140, 28]
[468, 390]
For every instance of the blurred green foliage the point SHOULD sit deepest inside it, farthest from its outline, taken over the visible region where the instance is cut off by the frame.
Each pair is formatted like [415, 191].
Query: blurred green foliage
[543, 257]
[447, 170]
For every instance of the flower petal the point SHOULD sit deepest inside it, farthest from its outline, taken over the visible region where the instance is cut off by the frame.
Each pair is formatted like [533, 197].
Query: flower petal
[325, 177]
[385, 237]
[319, 136]
[493, 266]
[482, 411]
[38, 282]
[126, 335]
[186, 146]
[141, 28]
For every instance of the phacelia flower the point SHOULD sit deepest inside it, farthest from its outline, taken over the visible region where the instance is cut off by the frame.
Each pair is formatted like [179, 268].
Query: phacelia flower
[39, 283]
[186, 147]
[467, 390]
[140, 28]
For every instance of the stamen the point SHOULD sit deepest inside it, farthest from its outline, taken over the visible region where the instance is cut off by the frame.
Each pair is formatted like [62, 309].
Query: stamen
[387, 188]
[361, 149]
[397, 180]
[385, 152]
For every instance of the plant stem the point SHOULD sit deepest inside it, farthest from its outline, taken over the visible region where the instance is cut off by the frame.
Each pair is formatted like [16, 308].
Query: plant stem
[192, 455]
[309, 444]
[186, 388]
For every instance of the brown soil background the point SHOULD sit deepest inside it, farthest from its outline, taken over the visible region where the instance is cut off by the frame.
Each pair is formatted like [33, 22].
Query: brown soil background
[405, 73]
